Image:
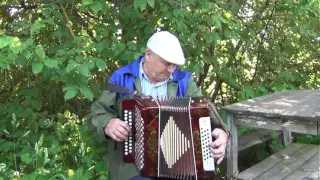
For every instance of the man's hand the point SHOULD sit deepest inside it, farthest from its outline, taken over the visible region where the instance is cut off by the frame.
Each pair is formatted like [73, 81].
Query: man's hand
[218, 147]
[118, 130]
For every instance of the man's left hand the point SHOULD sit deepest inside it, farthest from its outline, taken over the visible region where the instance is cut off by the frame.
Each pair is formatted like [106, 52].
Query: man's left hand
[218, 147]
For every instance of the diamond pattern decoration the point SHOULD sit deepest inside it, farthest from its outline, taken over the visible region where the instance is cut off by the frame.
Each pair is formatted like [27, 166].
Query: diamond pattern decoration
[173, 143]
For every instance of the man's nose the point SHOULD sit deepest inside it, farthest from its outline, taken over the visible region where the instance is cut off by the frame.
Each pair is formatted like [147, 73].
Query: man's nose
[171, 68]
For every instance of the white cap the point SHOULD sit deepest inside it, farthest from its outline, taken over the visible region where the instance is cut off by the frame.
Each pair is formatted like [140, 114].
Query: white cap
[167, 46]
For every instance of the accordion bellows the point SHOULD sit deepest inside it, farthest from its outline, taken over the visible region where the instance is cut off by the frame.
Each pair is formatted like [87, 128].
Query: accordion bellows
[170, 137]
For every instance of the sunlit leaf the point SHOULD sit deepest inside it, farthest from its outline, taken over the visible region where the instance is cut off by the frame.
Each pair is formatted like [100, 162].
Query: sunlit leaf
[151, 3]
[70, 93]
[37, 67]
[142, 4]
[84, 70]
[87, 2]
[71, 65]
[101, 64]
[40, 52]
[4, 41]
[26, 158]
[96, 7]
[87, 92]
[50, 63]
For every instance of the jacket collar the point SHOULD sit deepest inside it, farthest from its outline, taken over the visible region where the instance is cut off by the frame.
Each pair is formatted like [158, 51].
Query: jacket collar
[133, 69]
[171, 90]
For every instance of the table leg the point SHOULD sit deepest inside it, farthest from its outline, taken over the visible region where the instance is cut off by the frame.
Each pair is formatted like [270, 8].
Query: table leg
[232, 149]
[287, 137]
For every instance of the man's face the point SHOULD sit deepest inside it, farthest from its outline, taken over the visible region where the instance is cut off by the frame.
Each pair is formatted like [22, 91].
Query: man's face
[156, 68]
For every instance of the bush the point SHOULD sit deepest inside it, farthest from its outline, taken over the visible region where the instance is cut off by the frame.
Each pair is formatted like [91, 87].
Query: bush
[40, 146]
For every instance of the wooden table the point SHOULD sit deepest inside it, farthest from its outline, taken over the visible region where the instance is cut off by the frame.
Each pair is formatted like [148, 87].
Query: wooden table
[287, 111]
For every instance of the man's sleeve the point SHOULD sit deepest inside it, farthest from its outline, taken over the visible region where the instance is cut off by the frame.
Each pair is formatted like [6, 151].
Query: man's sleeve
[194, 91]
[102, 111]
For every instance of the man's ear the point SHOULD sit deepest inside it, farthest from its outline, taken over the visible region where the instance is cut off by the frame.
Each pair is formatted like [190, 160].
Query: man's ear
[148, 54]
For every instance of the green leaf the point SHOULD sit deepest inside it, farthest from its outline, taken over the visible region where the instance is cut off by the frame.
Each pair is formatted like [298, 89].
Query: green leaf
[209, 38]
[223, 20]
[32, 175]
[26, 158]
[15, 45]
[71, 65]
[142, 4]
[50, 63]
[40, 52]
[227, 33]
[87, 92]
[96, 7]
[100, 63]
[4, 41]
[71, 92]
[84, 70]
[151, 3]
[217, 23]
[36, 27]
[37, 67]
[216, 37]
[27, 54]
[87, 2]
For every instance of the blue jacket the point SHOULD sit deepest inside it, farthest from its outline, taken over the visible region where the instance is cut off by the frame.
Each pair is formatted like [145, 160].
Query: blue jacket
[126, 75]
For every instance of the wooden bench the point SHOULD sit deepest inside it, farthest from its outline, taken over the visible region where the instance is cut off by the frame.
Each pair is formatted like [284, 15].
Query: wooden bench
[288, 111]
[295, 162]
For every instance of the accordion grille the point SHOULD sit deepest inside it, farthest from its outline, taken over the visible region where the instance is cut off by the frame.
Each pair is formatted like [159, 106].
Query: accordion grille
[139, 143]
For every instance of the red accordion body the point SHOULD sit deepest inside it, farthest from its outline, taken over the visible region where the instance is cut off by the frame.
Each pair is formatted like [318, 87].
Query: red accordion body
[170, 137]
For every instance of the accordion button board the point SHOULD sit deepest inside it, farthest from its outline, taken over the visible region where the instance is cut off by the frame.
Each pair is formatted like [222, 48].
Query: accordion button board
[129, 141]
[206, 138]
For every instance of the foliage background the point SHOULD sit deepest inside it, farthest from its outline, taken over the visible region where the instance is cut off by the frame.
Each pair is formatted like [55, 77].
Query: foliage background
[56, 54]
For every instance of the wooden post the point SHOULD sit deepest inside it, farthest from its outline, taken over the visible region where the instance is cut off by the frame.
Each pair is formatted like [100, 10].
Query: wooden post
[287, 137]
[232, 149]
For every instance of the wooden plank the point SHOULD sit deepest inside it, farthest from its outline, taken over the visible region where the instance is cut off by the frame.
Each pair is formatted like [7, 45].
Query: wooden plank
[310, 166]
[305, 127]
[288, 165]
[271, 105]
[308, 109]
[232, 149]
[314, 176]
[268, 163]
[253, 138]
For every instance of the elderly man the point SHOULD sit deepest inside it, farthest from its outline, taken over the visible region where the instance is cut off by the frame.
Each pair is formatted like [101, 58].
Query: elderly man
[156, 74]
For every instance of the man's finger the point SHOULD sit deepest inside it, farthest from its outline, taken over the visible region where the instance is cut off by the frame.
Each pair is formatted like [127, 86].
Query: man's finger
[217, 150]
[220, 160]
[218, 155]
[125, 125]
[216, 143]
[120, 136]
[114, 137]
[123, 131]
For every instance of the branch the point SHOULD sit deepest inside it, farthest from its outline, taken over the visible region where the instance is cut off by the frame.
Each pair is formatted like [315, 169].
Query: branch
[68, 22]
[217, 88]
[261, 42]
[203, 76]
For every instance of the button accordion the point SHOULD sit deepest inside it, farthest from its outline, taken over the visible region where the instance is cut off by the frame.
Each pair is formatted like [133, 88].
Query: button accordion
[170, 137]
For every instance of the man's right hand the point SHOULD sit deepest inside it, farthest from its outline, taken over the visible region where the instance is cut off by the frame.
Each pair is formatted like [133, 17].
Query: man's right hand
[117, 129]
